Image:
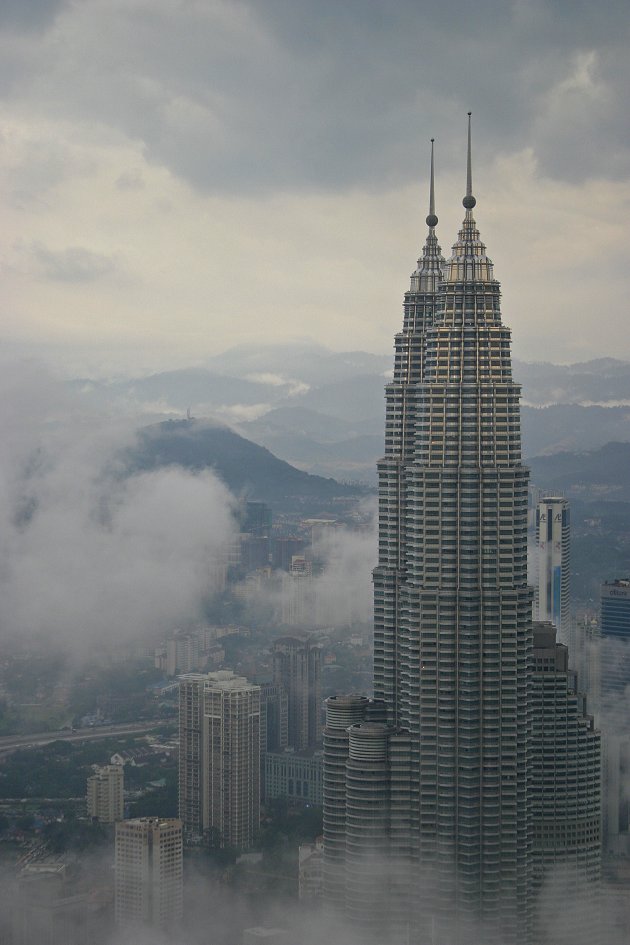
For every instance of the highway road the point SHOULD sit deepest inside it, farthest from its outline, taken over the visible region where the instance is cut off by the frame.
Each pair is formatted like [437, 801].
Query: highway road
[10, 743]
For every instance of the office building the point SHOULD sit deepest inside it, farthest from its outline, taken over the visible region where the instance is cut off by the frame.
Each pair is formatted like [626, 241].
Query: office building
[553, 566]
[566, 793]
[432, 777]
[148, 873]
[183, 653]
[283, 550]
[255, 552]
[105, 794]
[297, 663]
[49, 908]
[614, 638]
[274, 717]
[219, 759]
[296, 776]
[298, 603]
[257, 519]
[614, 653]
[616, 790]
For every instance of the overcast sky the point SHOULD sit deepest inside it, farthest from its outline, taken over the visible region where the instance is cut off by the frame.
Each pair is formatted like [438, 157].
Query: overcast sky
[181, 175]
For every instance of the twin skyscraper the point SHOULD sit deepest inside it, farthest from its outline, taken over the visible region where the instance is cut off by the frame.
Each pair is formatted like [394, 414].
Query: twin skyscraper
[429, 788]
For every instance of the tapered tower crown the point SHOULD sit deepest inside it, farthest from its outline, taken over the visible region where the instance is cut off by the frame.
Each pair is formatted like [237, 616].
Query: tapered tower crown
[431, 264]
[469, 262]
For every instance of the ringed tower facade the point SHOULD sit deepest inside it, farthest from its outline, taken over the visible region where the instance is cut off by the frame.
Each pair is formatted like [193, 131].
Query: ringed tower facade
[453, 628]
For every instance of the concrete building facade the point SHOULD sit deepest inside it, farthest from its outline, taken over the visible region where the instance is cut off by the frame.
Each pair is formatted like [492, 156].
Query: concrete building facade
[432, 777]
[105, 794]
[566, 791]
[219, 759]
[297, 776]
[297, 663]
[614, 652]
[190, 791]
[149, 872]
[231, 760]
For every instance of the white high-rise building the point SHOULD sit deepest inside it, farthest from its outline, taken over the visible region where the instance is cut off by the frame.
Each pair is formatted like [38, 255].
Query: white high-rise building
[298, 593]
[183, 653]
[149, 872]
[190, 789]
[231, 760]
[219, 758]
[105, 794]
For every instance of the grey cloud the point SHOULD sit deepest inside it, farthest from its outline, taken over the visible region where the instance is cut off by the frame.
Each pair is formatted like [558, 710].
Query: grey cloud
[89, 554]
[130, 180]
[73, 264]
[270, 95]
[340, 596]
[43, 163]
[28, 14]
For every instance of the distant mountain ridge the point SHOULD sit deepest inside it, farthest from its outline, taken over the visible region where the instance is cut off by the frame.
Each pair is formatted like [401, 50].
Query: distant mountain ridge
[604, 381]
[247, 469]
[323, 411]
[595, 474]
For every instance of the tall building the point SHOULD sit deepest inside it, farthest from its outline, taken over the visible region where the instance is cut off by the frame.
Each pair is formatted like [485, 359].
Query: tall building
[219, 758]
[434, 776]
[615, 637]
[298, 593]
[283, 549]
[257, 519]
[616, 790]
[105, 794]
[566, 795]
[553, 571]
[297, 666]
[148, 872]
[190, 792]
[231, 760]
[183, 653]
[48, 908]
[614, 651]
[274, 717]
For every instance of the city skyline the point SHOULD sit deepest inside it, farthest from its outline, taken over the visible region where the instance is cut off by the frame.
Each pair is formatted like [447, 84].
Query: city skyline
[120, 248]
[179, 179]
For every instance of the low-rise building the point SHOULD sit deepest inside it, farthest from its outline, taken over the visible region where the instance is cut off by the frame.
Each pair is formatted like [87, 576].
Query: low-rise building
[294, 775]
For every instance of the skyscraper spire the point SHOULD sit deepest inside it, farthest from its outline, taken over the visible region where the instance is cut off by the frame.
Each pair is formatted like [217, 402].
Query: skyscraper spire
[452, 634]
[429, 269]
[468, 262]
[432, 219]
[469, 201]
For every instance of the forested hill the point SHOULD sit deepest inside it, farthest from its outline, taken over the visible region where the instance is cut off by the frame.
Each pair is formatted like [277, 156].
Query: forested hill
[246, 468]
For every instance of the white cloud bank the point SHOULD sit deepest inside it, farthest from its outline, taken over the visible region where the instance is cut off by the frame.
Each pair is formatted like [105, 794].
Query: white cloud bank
[89, 555]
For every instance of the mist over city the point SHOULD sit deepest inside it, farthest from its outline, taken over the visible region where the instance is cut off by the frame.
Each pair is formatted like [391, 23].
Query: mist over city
[314, 479]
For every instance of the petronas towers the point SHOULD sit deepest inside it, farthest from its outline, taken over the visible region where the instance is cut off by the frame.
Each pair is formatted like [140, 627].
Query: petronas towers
[427, 811]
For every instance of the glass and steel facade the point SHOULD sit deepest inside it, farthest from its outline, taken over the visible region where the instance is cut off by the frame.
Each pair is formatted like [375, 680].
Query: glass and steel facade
[449, 757]
[553, 572]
